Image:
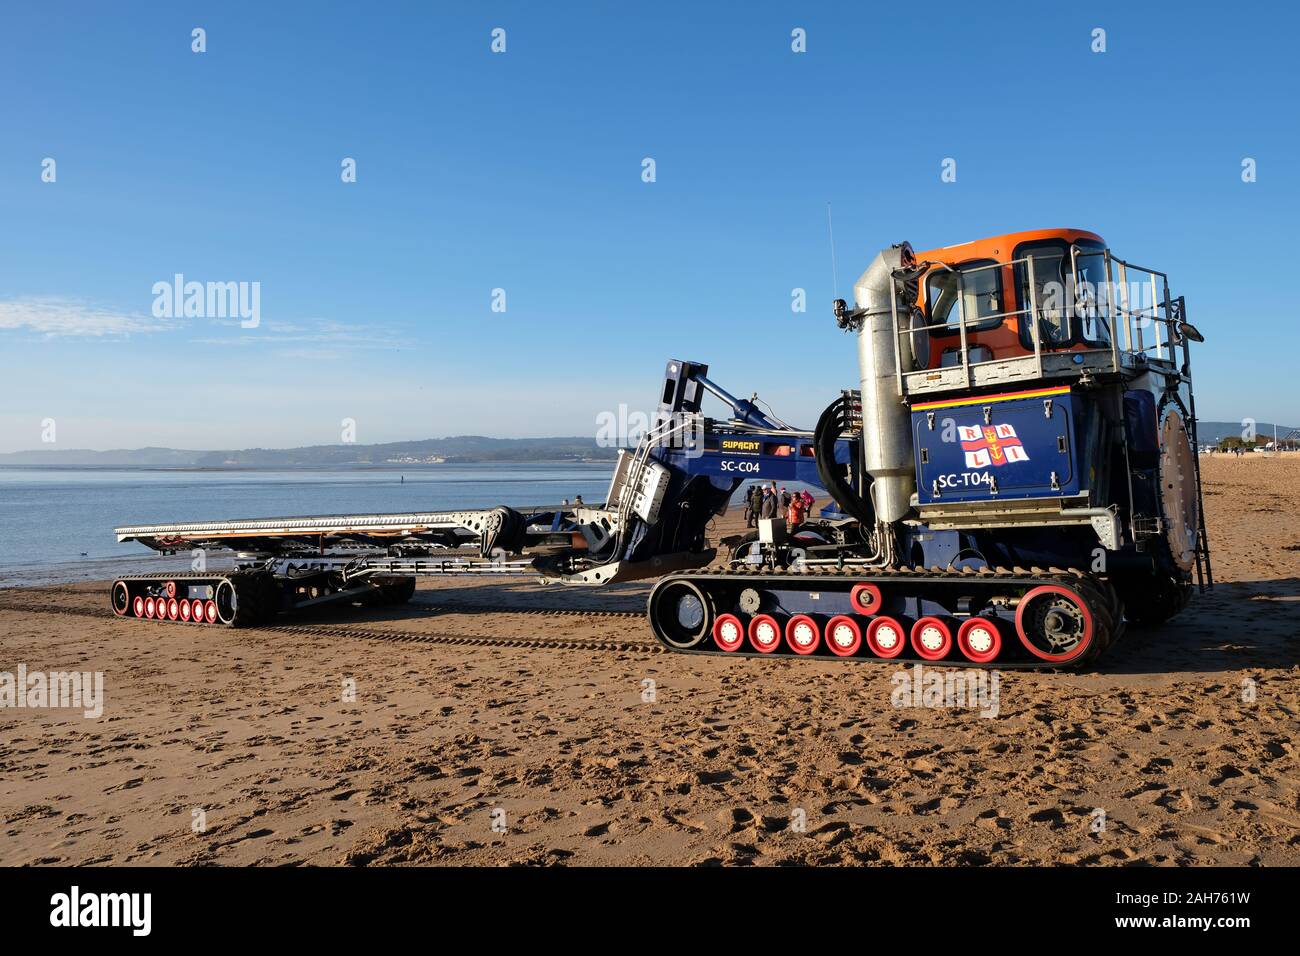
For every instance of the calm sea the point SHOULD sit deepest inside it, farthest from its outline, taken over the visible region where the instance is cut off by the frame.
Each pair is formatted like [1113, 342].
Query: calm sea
[57, 524]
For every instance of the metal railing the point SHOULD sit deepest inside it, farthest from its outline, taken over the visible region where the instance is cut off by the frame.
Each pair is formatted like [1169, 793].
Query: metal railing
[1081, 304]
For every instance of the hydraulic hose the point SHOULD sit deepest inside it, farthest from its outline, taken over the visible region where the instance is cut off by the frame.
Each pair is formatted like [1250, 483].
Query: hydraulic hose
[829, 428]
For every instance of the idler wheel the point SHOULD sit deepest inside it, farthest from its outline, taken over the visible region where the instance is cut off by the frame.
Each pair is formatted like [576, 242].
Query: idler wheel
[1054, 624]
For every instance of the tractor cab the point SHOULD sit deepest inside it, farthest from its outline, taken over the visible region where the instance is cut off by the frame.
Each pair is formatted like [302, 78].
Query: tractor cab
[1048, 303]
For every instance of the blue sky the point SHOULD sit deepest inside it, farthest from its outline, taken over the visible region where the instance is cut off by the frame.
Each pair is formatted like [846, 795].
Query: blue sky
[522, 171]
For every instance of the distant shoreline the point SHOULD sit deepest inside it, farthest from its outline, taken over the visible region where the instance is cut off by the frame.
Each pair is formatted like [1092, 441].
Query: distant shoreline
[358, 466]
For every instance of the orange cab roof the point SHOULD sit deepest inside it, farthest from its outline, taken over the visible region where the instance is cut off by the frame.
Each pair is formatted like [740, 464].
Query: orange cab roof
[1001, 247]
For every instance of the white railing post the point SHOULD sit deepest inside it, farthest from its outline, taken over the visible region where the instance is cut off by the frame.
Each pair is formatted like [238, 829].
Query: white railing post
[1110, 313]
[1125, 309]
[1033, 314]
[1155, 318]
[961, 326]
[1169, 321]
[1072, 312]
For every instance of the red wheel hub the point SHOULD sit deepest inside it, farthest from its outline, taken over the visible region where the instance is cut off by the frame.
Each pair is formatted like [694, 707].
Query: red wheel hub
[931, 638]
[210, 611]
[728, 632]
[886, 637]
[764, 633]
[185, 610]
[138, 606]
[979, 640]
[173, 609]
[802, 634]
[843, 636]
[1054, 624]
[865, 598]
[149, 607]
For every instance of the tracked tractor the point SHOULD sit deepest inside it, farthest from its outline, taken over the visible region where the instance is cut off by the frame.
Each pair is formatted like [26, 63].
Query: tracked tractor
[1022, 475]
[1012, 480]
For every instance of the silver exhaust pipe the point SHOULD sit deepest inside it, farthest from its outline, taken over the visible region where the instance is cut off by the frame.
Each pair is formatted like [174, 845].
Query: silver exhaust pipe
[886, 425]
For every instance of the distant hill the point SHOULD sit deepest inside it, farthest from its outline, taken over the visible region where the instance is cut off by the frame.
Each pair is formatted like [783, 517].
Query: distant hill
[1211, 433]
[459, 448]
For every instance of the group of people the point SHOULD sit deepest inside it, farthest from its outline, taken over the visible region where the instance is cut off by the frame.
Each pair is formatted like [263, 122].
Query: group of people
[768, 501]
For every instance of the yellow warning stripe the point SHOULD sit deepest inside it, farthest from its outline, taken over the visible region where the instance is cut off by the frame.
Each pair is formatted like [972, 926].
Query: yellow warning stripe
[983, 399]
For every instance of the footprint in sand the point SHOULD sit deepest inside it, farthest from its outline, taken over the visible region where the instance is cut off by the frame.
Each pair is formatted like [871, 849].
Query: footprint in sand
[1226, 773]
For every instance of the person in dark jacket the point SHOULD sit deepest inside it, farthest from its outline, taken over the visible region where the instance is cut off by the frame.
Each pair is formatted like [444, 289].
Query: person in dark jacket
[753, 505]
[769, 503]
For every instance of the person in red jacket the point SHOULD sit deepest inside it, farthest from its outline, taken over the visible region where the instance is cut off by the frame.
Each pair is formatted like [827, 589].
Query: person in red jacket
[796, 512]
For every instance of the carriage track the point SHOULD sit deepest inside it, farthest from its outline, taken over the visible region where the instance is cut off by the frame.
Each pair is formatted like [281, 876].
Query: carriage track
[374, 631]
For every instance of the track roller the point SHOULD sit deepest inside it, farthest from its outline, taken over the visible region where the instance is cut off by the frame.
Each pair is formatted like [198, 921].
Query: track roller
[979, 640]
[843, 636]
[728, 632]
[865, 598]
[764, 633]
[802, 634]
[886, 637]
[931, 638]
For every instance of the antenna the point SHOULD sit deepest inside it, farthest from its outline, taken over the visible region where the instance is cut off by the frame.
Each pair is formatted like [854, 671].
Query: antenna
[835, 277]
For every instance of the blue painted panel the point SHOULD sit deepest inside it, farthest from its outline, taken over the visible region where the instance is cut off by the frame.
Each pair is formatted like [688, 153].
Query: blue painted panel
[747, 456]
[1020, 452]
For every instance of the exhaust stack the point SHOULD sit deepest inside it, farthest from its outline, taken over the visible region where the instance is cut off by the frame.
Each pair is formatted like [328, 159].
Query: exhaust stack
[886, 425]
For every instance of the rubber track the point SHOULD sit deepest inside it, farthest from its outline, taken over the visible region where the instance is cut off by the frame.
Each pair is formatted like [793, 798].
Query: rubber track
[1107, 603]
[422, 607]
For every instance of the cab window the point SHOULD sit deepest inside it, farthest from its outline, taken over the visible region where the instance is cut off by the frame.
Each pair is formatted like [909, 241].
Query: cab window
[1067, 313]
[1091, 306]
[981, 298]
[1050, 265]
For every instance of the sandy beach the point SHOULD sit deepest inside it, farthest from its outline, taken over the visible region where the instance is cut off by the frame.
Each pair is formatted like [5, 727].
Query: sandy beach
[501, 722]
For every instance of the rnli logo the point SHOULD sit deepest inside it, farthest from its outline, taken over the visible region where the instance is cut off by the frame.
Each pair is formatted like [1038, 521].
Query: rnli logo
[993, 445]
